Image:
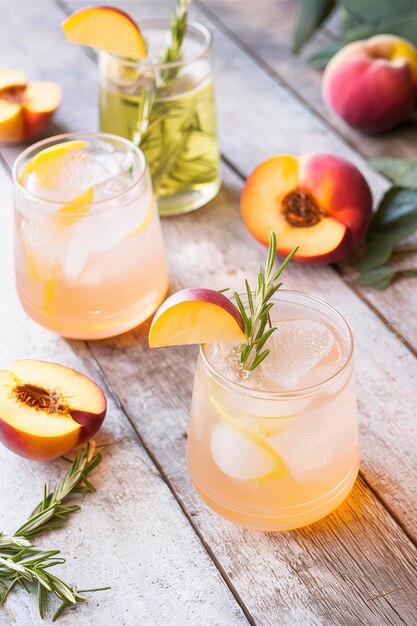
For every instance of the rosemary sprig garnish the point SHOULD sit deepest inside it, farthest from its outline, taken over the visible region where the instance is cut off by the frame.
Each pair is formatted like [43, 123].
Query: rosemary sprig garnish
[258, 327]
[171, 54]
[23, 564]
[177, 31]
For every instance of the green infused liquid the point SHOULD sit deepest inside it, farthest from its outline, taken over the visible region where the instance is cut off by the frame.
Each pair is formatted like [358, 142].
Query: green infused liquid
[180, 143]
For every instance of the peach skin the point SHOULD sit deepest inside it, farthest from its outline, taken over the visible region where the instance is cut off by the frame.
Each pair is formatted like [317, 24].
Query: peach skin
[372, 84]
[318, 201]
[47, 409]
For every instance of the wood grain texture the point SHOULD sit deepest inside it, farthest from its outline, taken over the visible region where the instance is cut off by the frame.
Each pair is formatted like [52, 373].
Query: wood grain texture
[290, 123]
[388, 459]
[357, 567]
[131, 534]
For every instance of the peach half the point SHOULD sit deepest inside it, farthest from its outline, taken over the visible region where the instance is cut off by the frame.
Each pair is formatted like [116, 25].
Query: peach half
[47, 409]
[319, 202]
[372, 84]
[195, 316]
[25, 108]
[105, 28]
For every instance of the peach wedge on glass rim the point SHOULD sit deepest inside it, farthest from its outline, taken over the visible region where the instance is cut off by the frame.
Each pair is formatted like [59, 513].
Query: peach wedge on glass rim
[196, 316]
[47, 409]
[105, 28]
[318, 201]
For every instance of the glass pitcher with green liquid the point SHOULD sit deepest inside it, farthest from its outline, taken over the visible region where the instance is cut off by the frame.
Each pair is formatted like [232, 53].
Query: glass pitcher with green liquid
[168, 110]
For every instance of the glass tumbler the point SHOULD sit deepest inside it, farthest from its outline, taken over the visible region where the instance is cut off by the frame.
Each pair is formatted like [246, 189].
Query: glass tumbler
[89, 254]
[278, 450]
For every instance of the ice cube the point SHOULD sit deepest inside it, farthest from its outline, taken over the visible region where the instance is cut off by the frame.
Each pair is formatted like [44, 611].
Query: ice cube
[238, 456]
[297, 346]
[306, 445]
[44, 243]
[68, 177]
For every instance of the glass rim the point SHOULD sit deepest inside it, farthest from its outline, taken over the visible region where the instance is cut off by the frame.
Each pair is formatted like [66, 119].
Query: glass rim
[310, 390]
[158, 22]
[37, 146]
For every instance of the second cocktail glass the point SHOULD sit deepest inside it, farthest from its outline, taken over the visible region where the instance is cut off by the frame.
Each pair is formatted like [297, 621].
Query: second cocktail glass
[168, 109]
[90, 260]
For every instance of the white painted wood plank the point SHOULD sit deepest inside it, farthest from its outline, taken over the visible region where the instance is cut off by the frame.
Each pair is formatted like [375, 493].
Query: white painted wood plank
[132, 533]
[337, 572]
[276, 121]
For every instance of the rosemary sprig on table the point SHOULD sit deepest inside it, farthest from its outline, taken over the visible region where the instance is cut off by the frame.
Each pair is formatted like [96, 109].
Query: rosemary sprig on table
[258, 327]
[23, 564]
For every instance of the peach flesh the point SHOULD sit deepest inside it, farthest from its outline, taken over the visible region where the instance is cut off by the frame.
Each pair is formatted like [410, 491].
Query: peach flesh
[196, 316]
[318, 201]
[25, 108]
[47, 409]
[105, 28]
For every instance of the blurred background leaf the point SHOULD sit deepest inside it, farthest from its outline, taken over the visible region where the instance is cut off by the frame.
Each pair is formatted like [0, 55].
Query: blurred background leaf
[402, 172]
[311, 14]
[360, 19]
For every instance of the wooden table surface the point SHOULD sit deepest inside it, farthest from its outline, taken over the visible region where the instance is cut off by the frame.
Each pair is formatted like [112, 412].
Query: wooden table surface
[169, 559]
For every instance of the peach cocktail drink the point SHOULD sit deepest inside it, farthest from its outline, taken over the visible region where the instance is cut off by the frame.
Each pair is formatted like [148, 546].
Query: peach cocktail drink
[278, 448]
[90, 260]
[273, 437]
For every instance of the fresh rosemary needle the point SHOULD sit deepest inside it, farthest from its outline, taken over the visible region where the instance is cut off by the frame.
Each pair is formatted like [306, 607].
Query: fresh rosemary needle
[256, 318]
[24, 565]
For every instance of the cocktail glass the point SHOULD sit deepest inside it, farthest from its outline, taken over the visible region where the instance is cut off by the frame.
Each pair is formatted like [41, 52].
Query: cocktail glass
[168, 109]
[277, 448]
[90, 259]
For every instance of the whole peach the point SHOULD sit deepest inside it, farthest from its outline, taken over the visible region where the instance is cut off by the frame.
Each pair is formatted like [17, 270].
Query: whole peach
[372, 84]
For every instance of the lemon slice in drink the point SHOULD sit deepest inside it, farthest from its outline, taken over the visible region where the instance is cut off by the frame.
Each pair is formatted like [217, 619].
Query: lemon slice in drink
[50, 167]
[48, 164]
[240, 452]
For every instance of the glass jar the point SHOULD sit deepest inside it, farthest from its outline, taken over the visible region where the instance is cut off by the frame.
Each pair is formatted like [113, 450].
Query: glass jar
[168, 109]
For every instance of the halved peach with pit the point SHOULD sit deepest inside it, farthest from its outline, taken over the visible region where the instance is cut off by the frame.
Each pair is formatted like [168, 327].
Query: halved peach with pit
[318, 201]
[47, 409]
[25, 108]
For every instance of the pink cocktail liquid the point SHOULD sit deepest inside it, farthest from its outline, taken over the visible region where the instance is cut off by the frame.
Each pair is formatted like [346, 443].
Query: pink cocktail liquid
[278, 448]
[90, 269]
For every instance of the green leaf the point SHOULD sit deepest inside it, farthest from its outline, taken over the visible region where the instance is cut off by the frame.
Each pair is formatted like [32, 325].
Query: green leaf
[402, 172]
[378, 278]
[321, 57]
[404, 25]
[377, 253]
[397, 211]
[311, 14]
[374, 10]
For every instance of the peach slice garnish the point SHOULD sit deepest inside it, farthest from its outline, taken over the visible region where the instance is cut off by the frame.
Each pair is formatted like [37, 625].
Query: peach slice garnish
[105, 28]
[196, 316]
[25, 108]
[47, 409]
